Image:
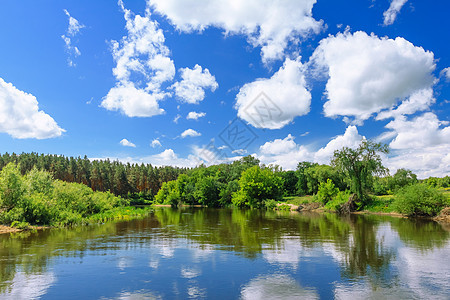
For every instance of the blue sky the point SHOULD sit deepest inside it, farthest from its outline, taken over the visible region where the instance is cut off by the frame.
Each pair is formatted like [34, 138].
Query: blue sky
[179, 82]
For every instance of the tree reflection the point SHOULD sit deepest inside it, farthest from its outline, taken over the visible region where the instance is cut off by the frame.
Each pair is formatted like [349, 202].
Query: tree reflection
[359, 248]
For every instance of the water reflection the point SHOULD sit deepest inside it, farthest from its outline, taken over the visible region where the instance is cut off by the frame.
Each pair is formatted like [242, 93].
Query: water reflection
[206, 253]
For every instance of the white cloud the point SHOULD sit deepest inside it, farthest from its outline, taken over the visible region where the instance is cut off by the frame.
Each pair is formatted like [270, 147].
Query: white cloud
[20, 116]
[368, 74]
[191, 89]
[169, 158]
[190, 132]
[155, 143]
[142, 66]
[195, 115]
[266, 23]
[418, 101]
[73, 29]
[127, 143]
[284, 152]
[279, 146]
[421, 145]
[239, 151]
[273, 103]
[177, 117]
[74, 25]
[446, 73]
[420, 132]
[132, 101]
[287, 153]
[394, 8]
[350, 139]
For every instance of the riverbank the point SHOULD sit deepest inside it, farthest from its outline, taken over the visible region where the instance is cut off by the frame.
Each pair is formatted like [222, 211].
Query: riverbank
[116, 214]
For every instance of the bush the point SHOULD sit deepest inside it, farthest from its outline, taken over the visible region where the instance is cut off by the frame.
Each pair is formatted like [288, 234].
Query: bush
[256, 185]
[419, 200]
[270, 204]
[284, 207]
[336, 203]
[327, 191]
[20, 225]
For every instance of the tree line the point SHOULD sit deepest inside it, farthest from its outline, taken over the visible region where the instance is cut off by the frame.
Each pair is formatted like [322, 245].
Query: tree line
[135, 181]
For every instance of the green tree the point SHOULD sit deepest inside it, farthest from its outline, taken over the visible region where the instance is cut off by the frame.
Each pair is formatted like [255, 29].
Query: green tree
[402, 178]
[290, 181]
[419, 200]
[327, 191]
[12, 187]
[257, 185]
[360, 165]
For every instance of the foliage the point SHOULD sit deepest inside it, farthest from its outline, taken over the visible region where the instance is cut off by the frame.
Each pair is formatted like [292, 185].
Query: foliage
[438, 182]
[12, 187]
[298, 200]
[327, 191]
[290, 182]
[37, 198]
[126, 180]
[283, 207]
[270, 204]
[338, 200]
[419, 200]
[20, 225]
[257, 185]
[360, 165]
[402, 178]
[169, 194]
[381, 204]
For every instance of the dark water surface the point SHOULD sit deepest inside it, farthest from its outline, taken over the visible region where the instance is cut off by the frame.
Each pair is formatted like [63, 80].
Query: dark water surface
[230, 254]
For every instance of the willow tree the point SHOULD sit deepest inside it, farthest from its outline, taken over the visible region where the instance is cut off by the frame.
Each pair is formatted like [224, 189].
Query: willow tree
[360, 165]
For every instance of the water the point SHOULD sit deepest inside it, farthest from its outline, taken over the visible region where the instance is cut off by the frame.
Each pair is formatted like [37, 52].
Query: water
[230, 254]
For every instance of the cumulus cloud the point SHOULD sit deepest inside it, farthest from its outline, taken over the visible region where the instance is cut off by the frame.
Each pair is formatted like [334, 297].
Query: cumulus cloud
[169, 158]
[350, 139]
[394, 8]
[20, 116]
[368, 74]
[287, 153]
[421, 145]
[273, 103]
[268, 24]
[73, 29]
[418, 101]
[142, 66]
[155, 143]
[420, 132]
[132, 101]
[127, 143]
[284, 152]
[191, 133]
[195, 115]
[191, 89]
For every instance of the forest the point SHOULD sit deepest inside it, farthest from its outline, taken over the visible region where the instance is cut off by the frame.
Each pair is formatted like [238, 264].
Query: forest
[57, 190]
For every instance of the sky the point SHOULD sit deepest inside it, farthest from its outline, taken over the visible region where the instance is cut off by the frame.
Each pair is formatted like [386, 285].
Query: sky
[172, 82]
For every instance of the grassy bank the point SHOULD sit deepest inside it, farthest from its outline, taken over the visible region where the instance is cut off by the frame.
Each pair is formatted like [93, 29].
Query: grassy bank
[37, 199]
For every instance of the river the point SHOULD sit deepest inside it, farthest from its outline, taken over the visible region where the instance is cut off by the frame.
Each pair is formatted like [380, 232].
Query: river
[198, 253]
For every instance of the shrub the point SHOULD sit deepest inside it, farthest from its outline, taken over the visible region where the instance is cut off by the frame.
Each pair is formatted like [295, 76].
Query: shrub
[419, 200]
[270, 204]
[327, 191]
[12, 186]
[284, 207]
[336, 203]
[20, 225]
